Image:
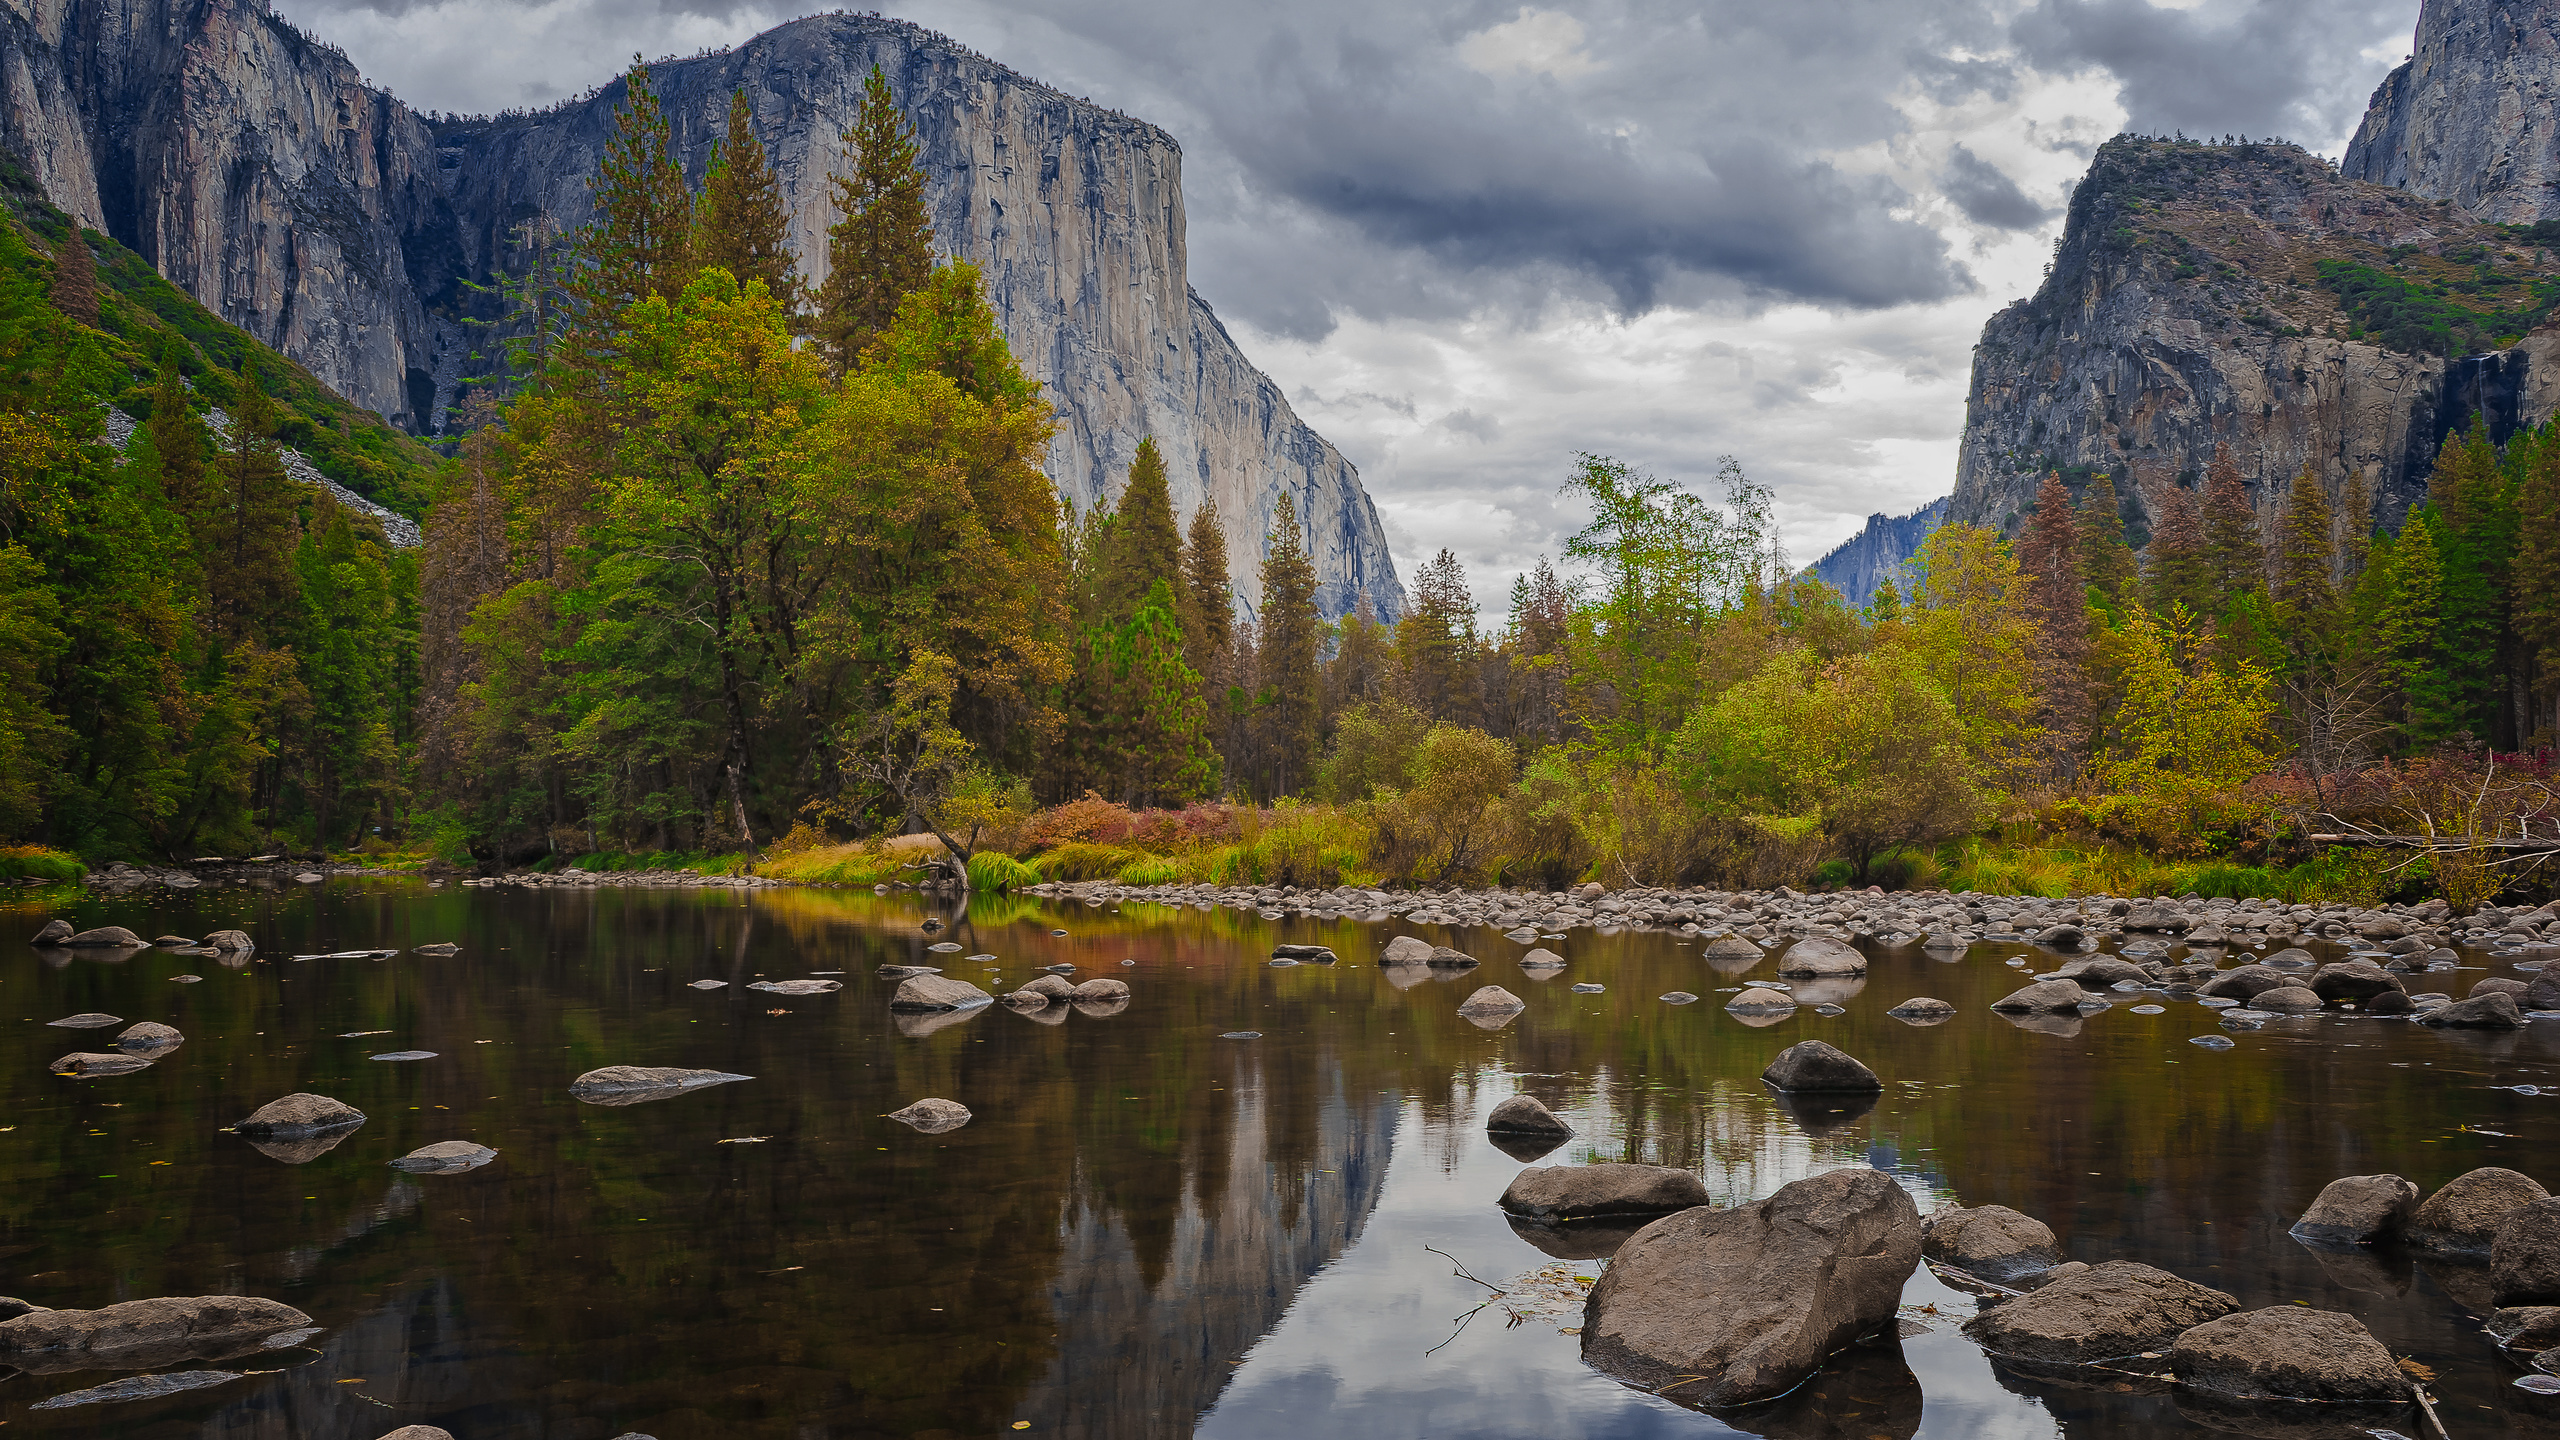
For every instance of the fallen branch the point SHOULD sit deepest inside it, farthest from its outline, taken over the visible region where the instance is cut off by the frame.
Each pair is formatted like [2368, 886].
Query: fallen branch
[2434, 843]
[1461, 1271]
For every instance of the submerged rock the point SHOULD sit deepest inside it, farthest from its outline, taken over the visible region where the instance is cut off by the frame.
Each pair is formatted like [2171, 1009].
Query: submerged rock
[91, 1021]
[1677, 997]
[149, 1036]
[2524, 1259]
[89, 1065]
[300, 1114]
[798, 987]
[2119, 1308]
[2493, 1011]
[1101, 990]
[1524, 1115]
[1820, 955]
[1492, 1000]
[145, 1334]
[2359, 1210]
[640, 1084]
[139, 1387]
[933, 1116]
[445, 1157]
[708, 985]
[105, 937]
[1993, 1241]
[938, 992]
[1813, 1067]
[2462, 1217]
[1563, 1192]
[2288, 1352]
[1726, 1307]
[2045, 997]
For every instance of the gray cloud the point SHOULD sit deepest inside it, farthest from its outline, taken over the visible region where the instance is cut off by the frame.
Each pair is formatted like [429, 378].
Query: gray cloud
[2253, 67]
[1987, 196]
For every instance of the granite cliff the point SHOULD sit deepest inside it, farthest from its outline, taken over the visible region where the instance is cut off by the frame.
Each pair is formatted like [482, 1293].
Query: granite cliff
[2473, 116]
[254, 168]
[2249, 297]
[1858, 565]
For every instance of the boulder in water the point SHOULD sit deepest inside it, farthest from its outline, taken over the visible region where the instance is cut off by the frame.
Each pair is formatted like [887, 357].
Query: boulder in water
[1757, 1000]
[1922, 1009]
[1820, 955]
[2119, 1308]
[2358, 1210]
[1524, 1115]
[1810, 1066]
[300, 1114]
[445, 1157]
[938, 992]
[933, 1116]
[145, 1334]
[2493, 1011]
[2524, 1258]
[640, 1084]
[2288, 1352]
[88, 1065]
[53, 932]
[1726, 1307]
[148, 1037]
[106, 937]
[1565, 1192]
[1993, 1241]
[1406, 950]
[2045, 997]
[1100, 989]
[1492, 1000]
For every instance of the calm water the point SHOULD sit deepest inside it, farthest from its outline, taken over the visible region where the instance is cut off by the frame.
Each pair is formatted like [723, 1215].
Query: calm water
[1148, 1230]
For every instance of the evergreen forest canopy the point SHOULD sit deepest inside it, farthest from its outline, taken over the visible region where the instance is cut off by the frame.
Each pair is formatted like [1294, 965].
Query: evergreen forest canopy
[737, 564]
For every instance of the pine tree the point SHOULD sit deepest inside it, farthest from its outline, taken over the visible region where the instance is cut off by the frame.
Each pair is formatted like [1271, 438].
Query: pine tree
[641, 241]
[2355, 527]
[2538, 575]
[2412, 617]
[948, 327]
[1363, 664]
[178, 439]
[2307, 560]
[2179, 568]
[1435, 642]
[2106, 562]
[743, 227]
[2049, 553]
[1208, 599]
[1292, 689]
[255, 525]
[1143, 545]
[880, 250]
[75, 276]
[2236, 556]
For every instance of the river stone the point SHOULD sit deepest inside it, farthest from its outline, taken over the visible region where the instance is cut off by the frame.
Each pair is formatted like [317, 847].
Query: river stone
[441, 947]
[1524, 1115]
[1810, 1066]
[933, 1116]
[1027, 1001]
[1492, 1000]
[417, 1432]
[938, 992]
[1541, 960]
[106, 937]
[2288, 1352]
[2157, 919]
[1755, 1000]
[1731, 947]
[90, 1021]
[2353, 982]
[2463, 1217]
[2390, 1002]
[1820, 955]
[1724, 1307]
[1565, 1192]
[1922, 1007]
[2524, 1258]
[1100, 989]
[797, 987]
[2061, 937]
[88, 1065]
[1677, 997]
[2528, 1327]
[2042, 997]
[2100, 972]
[2358, 1210]
[229, 940]
[1049, 987]
[146, 1036]
[1444, 958]
[2493, 1011]
[2290, 999]
[639, 1084]
[1992, 1241]
[54, 932]
[708, 985]
[1406, 950]
[445, 1157]
[144, 1334]
[2246, 983]
[300, 1114]
[2119, 1308]
[2501, 985]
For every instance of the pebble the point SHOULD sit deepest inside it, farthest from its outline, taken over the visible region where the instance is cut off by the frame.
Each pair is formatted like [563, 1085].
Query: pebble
[2213, 1042]
[1588, 987]
[405, 1055]
[186, 979]
[708, 985]
[2150, 1009]
[1242, 1035]
[1679, 997]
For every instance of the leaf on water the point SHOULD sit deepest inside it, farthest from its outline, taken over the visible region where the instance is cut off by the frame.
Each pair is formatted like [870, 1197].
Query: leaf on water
[749, 1140]
[360, 1034]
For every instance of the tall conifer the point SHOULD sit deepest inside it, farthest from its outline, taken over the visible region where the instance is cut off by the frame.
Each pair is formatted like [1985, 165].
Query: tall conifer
[2179, 568]
[1291, 634]
[2106, 562]
[2236, 555]
[1208, 599]
[2355, 527]
[1143, 545]
[2307, 557]
[743, 227]
[1435, 642]
[255, 525]
[880, 250]
[2537, 574]
[641, 241]
[178, 440]
[2049, 553]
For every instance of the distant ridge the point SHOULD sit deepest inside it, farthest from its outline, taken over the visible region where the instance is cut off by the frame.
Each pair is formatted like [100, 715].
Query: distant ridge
[1857, 565]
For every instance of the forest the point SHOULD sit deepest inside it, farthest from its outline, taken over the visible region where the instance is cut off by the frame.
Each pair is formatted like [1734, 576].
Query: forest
[732, 569]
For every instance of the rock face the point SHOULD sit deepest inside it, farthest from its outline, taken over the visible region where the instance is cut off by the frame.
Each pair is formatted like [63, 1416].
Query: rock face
[2447, 125]
[1992, 1241]
[2358, 1210]
[300, 1114]
[2119, 1308]
[142, 1334]
[1810, 1066]
[1856, 565]
[1566, 1192]
[1725, 1307]
[2184, 312]
[254, 168]
[2463, 1217]
[2288, 1352]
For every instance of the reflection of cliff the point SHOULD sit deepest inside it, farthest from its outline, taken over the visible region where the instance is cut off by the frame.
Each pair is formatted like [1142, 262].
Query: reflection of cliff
[1146, 1342]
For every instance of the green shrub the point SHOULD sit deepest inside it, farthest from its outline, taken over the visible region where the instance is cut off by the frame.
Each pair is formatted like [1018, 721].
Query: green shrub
[993, 872]
[36, 862]
[1155, 870]
[1082, 860]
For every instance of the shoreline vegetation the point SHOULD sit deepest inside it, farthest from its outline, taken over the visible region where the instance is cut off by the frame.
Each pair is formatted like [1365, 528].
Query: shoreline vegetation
[745, 578]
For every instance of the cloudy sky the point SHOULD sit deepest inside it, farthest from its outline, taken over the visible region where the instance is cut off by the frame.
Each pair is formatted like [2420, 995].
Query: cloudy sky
[1472, 237]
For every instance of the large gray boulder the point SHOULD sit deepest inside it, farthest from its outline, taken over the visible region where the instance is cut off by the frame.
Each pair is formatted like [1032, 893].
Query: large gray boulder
[2352, 982]
[1992, 1241]
[1524, 1115]
[148, 1037]
[2544, 992]
[2287, 1000]
[1444, 958]
[2119, 1308]
[2288, 1352]
[1810, 1066]
[2524, 1259]
[1566, 1192]
[919, 993]
[145, 1334]
[53, 932]
[2493, 1011]
[1725, 1307]
[2463, 1217]
[106, 937]
[2158, 919]
[2358, 1210]
[229, 942]
[1820, 955]
[1406, 950]
[2042, 998]
[2247, 983]
[300, 1114]
[1099, 988]
[2100, 971]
